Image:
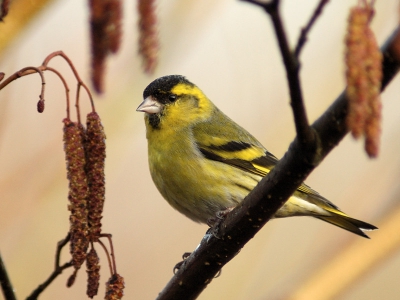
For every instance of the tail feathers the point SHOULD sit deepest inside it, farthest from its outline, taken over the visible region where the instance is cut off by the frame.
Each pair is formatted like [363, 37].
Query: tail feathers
[350, 224]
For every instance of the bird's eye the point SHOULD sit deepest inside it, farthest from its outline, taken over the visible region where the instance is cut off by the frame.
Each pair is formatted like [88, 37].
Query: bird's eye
[172, 97]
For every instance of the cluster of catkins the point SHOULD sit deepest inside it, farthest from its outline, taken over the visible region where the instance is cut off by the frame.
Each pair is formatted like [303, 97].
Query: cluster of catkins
[85, 156]
[106, 33]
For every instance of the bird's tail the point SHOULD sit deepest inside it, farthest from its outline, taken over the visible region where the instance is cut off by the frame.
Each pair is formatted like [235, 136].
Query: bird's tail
[350, 224]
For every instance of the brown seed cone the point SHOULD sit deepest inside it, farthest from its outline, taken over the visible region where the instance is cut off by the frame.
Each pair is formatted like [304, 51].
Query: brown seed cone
[114, 287]
[148, 39]
[78, 190]
[95, 148]
[93, 270]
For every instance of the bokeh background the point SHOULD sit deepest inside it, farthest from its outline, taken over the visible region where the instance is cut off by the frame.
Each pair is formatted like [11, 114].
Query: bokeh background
[229, 50]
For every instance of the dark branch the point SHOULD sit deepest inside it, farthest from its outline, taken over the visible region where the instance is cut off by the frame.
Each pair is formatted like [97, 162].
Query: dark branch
[268, 196]
[6, 286]
[303, 36]
[57, 270]
[292, 66]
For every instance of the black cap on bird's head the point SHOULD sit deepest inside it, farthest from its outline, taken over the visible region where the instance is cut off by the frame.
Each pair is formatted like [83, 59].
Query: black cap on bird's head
[158, 94]
[164, 85]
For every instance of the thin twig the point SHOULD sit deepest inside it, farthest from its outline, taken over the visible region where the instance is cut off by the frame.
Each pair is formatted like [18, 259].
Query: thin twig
[6, 286]
[24, 72]
[108, 256]
[45, 67]
[304, 31]
[57, 270]
[65, 87]
[109, 237]
[40, 70]
[72, 67]
[77, 107]
[305, 134]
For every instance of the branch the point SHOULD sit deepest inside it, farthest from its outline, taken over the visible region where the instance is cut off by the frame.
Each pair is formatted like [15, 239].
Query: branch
[269, 195]
[24, 72]
[6, 286]
[303, 36]
[77, 77]
[292, 67]
[57, 270]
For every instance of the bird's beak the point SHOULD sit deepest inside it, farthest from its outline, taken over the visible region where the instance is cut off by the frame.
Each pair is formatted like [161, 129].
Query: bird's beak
[150, 106]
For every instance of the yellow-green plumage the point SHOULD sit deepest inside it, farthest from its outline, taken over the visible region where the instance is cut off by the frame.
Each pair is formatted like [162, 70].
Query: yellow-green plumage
[202, 162]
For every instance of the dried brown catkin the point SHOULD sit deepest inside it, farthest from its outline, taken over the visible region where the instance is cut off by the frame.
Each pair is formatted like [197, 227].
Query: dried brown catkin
[114, 287]
[106, 31]
[148, 34]
[363, 76]
[93, 270]
[95, 148]
[78, 190]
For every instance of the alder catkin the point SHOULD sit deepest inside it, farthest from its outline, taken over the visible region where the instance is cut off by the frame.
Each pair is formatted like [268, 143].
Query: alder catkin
[95, 148]
[356, 76]
[374, 77]
[114, 26]
[78, 190]
[363, 76]
[373, 130]
[114, 287]
[98, 43]
[105, 30]
[148, 35]
[93, 270]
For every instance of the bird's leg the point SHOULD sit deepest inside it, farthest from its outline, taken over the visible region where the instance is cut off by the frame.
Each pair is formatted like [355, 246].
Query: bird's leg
[214, 222]
[179, 264]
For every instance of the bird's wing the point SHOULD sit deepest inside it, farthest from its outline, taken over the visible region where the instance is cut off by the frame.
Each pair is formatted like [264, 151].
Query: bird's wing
[245, 156]
[258, 161]
[224, 141]
[227, 142]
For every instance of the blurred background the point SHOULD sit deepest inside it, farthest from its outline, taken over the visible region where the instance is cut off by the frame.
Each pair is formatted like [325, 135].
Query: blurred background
[229, 50]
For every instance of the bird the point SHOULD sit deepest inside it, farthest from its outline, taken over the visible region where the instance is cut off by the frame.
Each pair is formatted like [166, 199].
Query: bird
[203, 163]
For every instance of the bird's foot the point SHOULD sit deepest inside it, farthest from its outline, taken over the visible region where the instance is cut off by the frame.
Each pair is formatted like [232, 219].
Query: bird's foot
[214, 222]
[179, 264]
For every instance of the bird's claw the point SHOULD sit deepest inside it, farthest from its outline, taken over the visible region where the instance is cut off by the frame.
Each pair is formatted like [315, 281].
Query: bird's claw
[214, 222]
[179, 264]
